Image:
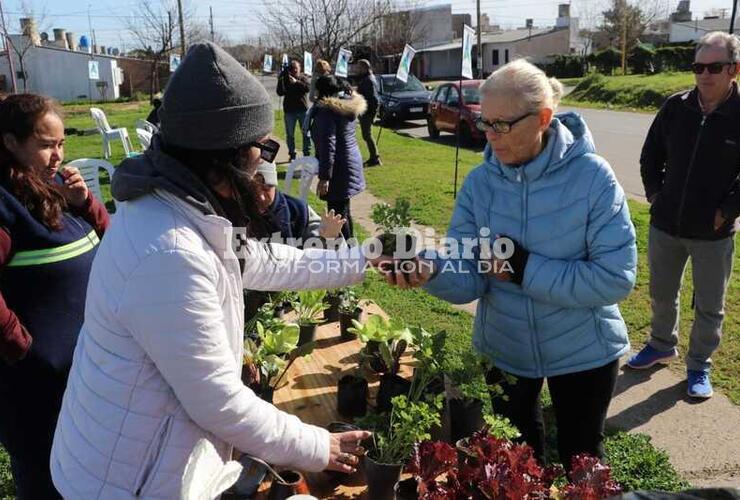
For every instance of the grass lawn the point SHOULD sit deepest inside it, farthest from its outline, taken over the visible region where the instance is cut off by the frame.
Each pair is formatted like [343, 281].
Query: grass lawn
[630, 92]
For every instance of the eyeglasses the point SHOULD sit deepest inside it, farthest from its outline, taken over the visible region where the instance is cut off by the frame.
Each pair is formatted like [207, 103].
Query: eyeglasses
[268, 149]
[498, 126]
[714, 68]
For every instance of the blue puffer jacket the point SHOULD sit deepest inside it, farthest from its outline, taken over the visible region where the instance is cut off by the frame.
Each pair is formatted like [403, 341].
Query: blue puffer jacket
[568, 210]
[333, 132]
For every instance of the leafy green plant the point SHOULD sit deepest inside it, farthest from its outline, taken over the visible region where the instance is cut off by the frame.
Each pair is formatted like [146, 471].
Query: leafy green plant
[385, 342]
[637, 465]
[429, 357]
[349, 302]
[409, 423]
[309, 306]
[500, 427]
[273, 353]
[7, 487]
[390, 217]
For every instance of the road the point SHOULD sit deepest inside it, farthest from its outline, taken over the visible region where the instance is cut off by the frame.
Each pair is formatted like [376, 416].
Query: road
[618, 136]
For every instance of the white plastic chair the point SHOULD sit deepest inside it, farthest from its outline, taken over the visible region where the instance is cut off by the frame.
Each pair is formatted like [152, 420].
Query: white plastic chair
[90, 170]
[309, 168]
[109, 133]
[145, 138]
[148, 126]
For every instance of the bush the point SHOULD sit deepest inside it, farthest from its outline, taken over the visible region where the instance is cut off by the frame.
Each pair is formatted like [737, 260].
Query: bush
[606, 60]
[671, 58]
[566, 66]
[642, 59]
[7, 488]
[636, 465]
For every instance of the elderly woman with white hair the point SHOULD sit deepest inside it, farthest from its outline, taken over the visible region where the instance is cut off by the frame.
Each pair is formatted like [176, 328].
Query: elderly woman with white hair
[547, 304]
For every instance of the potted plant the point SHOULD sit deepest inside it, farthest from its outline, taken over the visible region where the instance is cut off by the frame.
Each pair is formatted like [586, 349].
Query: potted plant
[395, 222]
[349, 310]
[408, 423]
[332, 300]
[309, 308]
[428, 381]
[268, 359]
[467, 392]
[385, 342]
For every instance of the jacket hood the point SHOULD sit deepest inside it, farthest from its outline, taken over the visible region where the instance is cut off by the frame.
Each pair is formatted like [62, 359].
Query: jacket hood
[567, 139]
[351, 107]
[139, 176]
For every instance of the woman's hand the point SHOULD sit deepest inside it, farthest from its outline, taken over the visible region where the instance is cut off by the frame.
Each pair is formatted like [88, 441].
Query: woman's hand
[331, 225]
[345, 450]
[405, 274]
[74, 189]
[322, 189]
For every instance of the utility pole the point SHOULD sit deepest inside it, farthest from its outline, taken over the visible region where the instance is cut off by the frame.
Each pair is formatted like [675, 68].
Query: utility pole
[8, 49]
[734, 15]
[480, 45]
[624, 38]
[213, 36]
[182, 28]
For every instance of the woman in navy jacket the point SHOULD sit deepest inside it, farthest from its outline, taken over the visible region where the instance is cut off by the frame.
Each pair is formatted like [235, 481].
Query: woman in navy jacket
[49, 229]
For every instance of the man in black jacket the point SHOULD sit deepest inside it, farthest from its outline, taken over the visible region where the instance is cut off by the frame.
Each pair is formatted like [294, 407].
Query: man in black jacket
[690, 165]
[368, 88]
[294, 87]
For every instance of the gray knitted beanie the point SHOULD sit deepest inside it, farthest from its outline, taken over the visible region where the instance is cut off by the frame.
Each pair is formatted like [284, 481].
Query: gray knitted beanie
[212, 102]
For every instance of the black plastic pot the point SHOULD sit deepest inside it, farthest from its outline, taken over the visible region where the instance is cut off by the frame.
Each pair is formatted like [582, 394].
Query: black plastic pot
[408, 489]
[390, 387]
[381, 479]
[466, 417]
[372, 348]
[345, 323]
[307, 334]
[295, 484]
[352, 396]
[331, 313]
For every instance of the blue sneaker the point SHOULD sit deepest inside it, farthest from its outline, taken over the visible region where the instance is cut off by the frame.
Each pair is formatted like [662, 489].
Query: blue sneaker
[699, 384]
[649, 356]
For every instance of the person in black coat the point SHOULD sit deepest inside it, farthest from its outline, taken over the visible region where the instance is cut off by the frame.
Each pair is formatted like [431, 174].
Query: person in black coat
[368, 88]
[333, 131]
[294, 86]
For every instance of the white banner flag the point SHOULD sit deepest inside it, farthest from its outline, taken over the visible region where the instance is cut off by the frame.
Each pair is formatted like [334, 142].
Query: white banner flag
[467, 51]
[308, 63]
[93, 70]
[267, 64]
[404, 67]
[343, 58]
[174, 62]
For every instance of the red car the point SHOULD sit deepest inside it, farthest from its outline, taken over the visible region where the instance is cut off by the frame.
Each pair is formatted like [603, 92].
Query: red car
[447, 111]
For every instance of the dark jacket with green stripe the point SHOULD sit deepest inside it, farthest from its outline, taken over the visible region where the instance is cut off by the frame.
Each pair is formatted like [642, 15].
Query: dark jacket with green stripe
[43, 281]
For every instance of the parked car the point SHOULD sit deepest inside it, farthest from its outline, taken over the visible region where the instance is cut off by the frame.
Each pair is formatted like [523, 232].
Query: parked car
[402, 101]
[447, 111]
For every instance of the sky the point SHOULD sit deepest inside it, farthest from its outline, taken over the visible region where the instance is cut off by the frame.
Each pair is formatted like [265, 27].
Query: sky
[239, 20]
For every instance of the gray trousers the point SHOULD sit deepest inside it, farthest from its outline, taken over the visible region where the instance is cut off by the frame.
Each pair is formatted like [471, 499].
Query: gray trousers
[711, 263]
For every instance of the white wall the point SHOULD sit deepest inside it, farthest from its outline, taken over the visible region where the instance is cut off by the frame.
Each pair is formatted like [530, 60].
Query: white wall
[684, 33]
[442, 64]
[63, 74]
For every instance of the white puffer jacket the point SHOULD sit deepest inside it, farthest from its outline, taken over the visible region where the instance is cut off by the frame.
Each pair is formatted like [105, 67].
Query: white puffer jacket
[158, 362]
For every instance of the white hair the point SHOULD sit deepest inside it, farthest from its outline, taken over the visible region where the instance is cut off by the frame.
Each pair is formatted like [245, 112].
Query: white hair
[526, 84]
[722, 40]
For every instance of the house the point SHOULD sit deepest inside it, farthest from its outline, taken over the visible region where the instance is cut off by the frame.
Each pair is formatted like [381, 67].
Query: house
[692, 31]
[61, 68]
[538, 45]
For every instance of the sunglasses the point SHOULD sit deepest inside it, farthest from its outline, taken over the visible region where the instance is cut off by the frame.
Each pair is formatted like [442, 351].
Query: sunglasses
[714, 68]
[498, 126]
[268, 149]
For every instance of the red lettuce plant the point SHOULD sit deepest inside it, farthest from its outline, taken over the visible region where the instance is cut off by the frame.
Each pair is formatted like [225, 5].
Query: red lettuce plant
[590, 480]
[498, 469]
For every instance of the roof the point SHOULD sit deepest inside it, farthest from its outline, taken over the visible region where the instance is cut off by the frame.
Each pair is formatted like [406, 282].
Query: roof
[508, 36]
[708, 24]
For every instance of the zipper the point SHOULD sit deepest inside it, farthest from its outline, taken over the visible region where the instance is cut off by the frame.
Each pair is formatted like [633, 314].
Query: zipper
[681, 206]
[155, 454]
[521, 176]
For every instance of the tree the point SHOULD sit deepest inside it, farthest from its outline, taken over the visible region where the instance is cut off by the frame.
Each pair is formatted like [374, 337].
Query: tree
[155, 27]
[323, 26]
[623, 24]
[20, 45]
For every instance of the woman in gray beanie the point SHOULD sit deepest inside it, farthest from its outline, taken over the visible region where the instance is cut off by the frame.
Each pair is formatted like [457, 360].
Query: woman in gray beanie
[158, 362]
